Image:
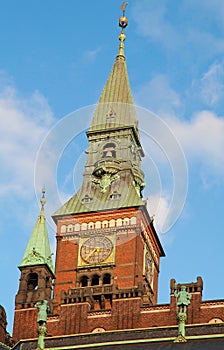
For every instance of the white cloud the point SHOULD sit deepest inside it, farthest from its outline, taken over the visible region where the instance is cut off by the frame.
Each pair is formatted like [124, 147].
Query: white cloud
[187, 31]
[202, 135]
[202, 139]
[23, 123]
[150, 17]
[210, 88]
[90, 55]
[158, 96]
[215, 8]
[159, 208]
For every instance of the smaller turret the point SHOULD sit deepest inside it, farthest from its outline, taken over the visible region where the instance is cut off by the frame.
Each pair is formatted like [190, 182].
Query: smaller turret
[36, 267]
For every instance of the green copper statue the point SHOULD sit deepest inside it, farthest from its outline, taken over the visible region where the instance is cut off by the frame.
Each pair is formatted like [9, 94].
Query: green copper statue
[41, 320]
[183, 300]
[42, 313]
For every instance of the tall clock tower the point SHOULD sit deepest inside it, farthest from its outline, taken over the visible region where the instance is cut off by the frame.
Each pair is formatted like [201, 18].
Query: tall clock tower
[108, 252]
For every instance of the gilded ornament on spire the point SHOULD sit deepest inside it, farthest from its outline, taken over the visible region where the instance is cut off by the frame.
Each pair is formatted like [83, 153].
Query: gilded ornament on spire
[123, 22]
[43, 200]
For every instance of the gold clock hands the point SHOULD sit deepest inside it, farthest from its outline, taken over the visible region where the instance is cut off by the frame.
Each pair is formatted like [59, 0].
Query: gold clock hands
[95, 250]
[91, 253]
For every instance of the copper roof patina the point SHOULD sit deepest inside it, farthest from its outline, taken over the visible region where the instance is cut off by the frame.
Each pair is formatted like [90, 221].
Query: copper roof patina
[38, 248]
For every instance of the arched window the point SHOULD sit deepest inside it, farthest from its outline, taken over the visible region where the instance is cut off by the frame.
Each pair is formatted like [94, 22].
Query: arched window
[77, 227]
[90, 225]
[109, 150]
[84, 226]
[95, 280]
[98, 224]
[119, 222]
[133, 220]
[112, 223]
[107, 279]
[32, 282]
[70, 228]
[105, 223]
[48, 282]
[126, 221]
[63, 229]
[84, 281]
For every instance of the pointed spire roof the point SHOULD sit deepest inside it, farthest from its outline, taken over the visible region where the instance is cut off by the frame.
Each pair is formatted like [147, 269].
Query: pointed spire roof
[115, 112]
[38, 248]
[116, 106]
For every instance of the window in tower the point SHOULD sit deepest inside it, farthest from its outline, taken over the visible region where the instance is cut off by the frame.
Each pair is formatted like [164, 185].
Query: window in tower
[112, 223]
[86, 199]
[84, 226]
[115, 195]
[107, 279]
[95, 280]
[77, 227]
[98, 224]
[109, 150]
[105, 223]
[32, 282]
[133, 220]
[48, 282]
[84, 281]
[70, 228]
[126, 221]
[119, 222]
[63, 229]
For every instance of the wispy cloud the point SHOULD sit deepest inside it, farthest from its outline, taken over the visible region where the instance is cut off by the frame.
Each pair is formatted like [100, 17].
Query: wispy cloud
[158, 96]
[150, 17]
[210, 88]
[159, 208]
[172, 27]
[90, 55]
[202, 139]
[23, 123]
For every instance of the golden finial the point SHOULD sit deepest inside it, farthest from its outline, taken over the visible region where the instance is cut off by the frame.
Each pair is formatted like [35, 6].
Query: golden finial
[43, 200]
[123, 22]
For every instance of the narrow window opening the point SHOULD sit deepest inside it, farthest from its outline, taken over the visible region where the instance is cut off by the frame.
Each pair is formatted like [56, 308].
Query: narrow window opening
[107, 279]
[109, 150]
[32, 283]
[95, 280]
[84, 281]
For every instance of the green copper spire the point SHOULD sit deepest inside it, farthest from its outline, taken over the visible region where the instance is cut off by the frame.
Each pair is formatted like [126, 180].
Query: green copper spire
[113, 177]
[38, 248]
[116, 99]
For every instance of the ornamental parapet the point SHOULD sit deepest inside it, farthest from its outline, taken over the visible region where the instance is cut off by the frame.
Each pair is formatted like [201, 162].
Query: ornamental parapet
[85, 294]
[192, 287]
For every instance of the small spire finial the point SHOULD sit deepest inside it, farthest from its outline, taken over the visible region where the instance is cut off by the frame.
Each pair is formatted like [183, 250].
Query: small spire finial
[43, 200]
[123, 22]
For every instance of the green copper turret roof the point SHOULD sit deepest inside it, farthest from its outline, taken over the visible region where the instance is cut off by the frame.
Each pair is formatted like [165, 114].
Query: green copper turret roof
[38, 248]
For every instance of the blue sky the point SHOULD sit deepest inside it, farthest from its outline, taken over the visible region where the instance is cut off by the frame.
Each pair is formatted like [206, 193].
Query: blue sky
[55, 58]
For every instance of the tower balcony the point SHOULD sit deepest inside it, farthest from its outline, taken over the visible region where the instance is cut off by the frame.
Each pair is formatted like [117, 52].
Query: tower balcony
[102, 293]
[108, 165]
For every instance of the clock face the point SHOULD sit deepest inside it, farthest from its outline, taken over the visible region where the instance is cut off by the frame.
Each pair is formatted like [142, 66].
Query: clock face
[96, 249]
[148, 267]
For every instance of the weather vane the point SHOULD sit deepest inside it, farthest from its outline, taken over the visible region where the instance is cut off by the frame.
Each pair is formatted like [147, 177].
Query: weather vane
[123, 21]
[123, 7]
